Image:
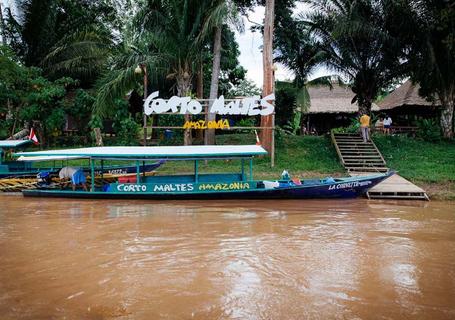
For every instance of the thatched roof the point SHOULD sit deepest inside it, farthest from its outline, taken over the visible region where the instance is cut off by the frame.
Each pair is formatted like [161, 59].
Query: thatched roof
[405, 95]
[335, 100]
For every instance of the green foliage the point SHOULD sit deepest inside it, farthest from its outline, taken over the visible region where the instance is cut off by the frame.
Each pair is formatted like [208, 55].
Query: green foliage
[243, 88]
[356, 41]
[419, 160]
[64, 37]
[429, 130]
[171, 120]
[354, 127]
[128, 132]
[427, 33]
[308, 156]
[285, 103]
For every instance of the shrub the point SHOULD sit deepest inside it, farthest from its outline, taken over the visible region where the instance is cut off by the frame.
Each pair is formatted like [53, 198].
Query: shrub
[128, 132]
[428, 130]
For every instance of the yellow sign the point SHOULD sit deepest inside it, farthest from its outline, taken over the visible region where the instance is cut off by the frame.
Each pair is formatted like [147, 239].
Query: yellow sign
[224, 186]
[202, 124]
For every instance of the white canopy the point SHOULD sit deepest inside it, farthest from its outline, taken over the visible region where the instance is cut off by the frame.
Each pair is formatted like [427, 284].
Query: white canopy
[49, 158]
[151, 152]
[12, 143]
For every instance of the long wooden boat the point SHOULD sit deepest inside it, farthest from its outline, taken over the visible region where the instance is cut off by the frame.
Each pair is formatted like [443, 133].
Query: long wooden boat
[16, 176]
[239, 185]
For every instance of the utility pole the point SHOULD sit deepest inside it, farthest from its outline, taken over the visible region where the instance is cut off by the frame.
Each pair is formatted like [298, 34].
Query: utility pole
[267, 135]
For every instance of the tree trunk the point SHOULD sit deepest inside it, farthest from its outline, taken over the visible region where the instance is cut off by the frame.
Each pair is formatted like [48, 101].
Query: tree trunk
[267, 65]
[200, 82]
[183, 89]
[210, 133]
[446, 119]
[200, 95]
[365, 106]
[2, 25]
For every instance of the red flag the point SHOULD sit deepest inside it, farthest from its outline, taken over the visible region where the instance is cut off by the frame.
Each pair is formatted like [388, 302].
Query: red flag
[33, 137]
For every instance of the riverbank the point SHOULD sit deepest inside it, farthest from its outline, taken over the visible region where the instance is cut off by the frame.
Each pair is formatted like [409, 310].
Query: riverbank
[429, 165]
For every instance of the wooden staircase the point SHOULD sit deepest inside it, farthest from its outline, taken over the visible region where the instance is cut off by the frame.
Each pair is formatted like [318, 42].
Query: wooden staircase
[357, 156]
[361, 158]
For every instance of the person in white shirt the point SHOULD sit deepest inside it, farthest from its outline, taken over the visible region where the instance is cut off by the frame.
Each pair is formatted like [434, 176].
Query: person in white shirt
[387, 124]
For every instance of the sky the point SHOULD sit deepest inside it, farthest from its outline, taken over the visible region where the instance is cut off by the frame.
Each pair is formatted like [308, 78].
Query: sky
[250, 50]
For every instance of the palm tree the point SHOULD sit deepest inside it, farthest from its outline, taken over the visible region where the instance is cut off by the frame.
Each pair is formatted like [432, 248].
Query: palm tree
[222, 12]
[82, 55]
[168, 41]
[427, 30]
[299, 52]
[355, 41]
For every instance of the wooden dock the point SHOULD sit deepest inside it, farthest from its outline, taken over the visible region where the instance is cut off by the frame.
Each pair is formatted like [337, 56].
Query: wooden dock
[360, 158]
[395, 187]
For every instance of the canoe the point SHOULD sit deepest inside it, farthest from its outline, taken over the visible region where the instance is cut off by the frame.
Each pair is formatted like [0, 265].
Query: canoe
[237, 185]
[348, 187]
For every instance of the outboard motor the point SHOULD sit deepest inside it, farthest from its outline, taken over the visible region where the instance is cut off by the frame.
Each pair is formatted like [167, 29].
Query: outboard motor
[44, 179]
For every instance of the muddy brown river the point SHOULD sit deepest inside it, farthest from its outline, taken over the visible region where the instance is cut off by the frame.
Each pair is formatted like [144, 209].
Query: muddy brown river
[354, 259]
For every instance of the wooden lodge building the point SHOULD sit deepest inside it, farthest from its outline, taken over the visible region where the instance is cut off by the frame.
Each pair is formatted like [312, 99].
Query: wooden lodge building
[332, 108]
[405, 105]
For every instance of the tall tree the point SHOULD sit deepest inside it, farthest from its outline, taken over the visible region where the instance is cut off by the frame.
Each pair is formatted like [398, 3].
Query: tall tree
[168, 41]
[427, 31]
[224, 12]
[64, 37]
[356, 42]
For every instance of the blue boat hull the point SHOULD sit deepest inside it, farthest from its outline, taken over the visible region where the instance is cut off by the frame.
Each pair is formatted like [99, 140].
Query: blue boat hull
[338, 189]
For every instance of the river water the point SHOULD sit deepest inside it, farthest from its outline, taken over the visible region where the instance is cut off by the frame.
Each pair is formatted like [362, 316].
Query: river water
[354, 259]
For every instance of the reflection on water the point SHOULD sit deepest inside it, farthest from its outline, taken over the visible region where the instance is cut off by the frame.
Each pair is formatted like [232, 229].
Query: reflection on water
[226, 260]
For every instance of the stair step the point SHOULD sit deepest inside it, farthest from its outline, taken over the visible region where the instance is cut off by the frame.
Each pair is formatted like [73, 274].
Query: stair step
[369, 161]
[363, 157]
[360, 153]
[369, 169]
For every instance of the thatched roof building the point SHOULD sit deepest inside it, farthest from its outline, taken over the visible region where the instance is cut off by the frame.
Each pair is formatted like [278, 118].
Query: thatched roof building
[335, 100]
[331, 108]
[406, 95]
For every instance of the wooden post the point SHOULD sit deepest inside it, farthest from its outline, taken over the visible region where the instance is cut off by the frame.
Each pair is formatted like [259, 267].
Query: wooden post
[138, 172]
[144, 70]
[243, 169]
[251, 169]
[196, 178]
[269, 81]
[92, 172]
[102, 172]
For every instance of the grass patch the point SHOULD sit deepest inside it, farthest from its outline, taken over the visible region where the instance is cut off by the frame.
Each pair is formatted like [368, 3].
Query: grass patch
[419, 160]
[431, 165]
[307, 156]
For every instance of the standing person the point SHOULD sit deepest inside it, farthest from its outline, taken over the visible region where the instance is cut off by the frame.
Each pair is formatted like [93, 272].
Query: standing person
[387, 124]
[365, 127]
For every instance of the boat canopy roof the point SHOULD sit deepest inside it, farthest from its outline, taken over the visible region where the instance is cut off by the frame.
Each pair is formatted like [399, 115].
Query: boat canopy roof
[49, 158]
[172, 152]
[12, 143]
